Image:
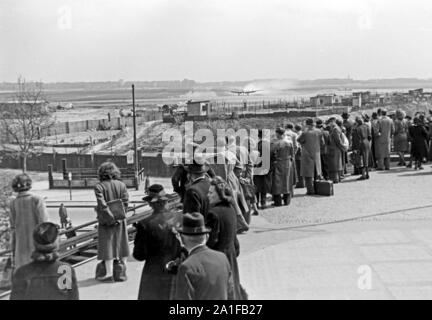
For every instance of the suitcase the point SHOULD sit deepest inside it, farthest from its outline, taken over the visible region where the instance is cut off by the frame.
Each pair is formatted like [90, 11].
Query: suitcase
[324, 188]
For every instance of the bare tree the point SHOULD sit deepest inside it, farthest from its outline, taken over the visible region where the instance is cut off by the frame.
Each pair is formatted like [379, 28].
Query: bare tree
[23, 121]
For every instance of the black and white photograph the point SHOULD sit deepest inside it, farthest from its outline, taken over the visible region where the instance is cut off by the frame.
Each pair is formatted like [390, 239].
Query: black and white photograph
[238, 151]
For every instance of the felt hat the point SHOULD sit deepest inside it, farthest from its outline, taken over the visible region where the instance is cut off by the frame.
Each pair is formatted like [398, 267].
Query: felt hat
[198, 166]
[193, 224]
[156, 192]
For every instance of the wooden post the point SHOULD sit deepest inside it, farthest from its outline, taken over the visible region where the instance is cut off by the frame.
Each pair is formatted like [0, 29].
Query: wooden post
[135, 140]
[50, 176]
[64, 168]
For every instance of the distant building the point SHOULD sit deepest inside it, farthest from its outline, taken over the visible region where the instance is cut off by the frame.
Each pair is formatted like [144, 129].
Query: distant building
[366, 96]
[198, 108]
[416, 92]
[357, 101]
[325, 100]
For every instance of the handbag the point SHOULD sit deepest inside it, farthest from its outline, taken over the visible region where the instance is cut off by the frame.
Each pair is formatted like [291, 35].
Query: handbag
[114, 212]
[117, 209]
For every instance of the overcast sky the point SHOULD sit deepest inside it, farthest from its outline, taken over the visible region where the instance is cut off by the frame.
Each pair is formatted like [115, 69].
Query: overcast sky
[214, 40]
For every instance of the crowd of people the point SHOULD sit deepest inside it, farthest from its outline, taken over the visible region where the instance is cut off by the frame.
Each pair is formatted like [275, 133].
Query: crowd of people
[188, 256]
[192, 254]
[321, 150]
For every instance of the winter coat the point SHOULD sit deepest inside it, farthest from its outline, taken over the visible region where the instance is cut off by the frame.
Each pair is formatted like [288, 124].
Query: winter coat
[112, 240]
[383, 141]
[221, 220]
[156, 243]
[311, 141]
[196, 199]
[282, 153]
[400, 139]
[27, 210]
[40, 281]
[335, 150]
[204, 275]
[418, 135]
[179, 180]
[361, 137]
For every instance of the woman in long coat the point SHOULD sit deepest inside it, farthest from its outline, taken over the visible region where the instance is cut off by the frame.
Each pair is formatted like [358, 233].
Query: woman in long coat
[239, 202]
[157, 244]
[27, 210]
[282, 153]
[335, 152]
[221, 219]
[112, 238]
[418, 135]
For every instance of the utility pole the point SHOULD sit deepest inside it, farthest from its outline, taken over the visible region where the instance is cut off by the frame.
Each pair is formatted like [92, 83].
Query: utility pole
[135, 138]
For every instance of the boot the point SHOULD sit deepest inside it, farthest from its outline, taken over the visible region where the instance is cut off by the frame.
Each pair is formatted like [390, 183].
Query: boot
[287, 199]
[310, 186]
[277, 200]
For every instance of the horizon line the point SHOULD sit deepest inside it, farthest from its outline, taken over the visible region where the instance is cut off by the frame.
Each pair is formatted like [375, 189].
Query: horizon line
[215, 81]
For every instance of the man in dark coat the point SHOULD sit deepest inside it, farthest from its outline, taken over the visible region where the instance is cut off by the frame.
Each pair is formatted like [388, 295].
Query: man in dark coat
[45, 278]
[205, 274]
[383, 142]
[311, 141]
[323, 150]
[348, 124]
[262, 177]
[195, 199]
[156, 243]
[300, 180]
[179, 180]
[361, 137]
[335, 151]
[418, 136]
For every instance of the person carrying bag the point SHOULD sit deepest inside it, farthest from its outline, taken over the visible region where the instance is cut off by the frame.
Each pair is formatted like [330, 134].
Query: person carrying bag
[113, 242]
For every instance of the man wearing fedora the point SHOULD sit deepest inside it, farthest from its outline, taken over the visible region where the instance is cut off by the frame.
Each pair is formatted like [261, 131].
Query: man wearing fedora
[311, 141]
[205, 274]
[157, 244]
[383, 142]
[195, 199]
